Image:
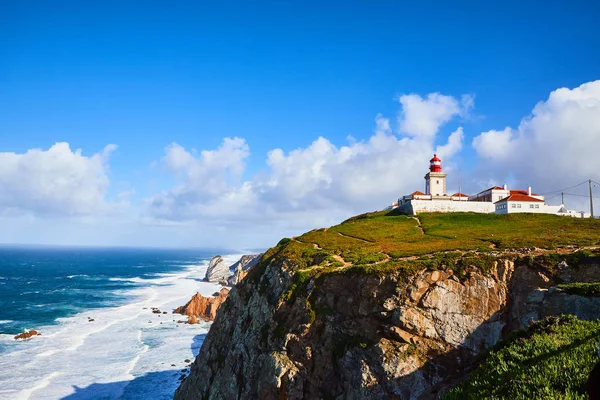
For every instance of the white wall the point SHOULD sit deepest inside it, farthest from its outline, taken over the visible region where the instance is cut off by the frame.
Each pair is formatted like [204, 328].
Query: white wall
[525, 208]
[417, 206]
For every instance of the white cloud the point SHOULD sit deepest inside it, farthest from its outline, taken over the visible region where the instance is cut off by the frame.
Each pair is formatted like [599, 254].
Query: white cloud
[55, 182]
[454, 145]
[554, 147]
[424, 116]
[206, 183]
[316, 185]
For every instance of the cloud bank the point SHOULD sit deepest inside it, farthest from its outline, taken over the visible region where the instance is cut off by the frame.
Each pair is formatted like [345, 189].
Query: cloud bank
[554, 147]
[57, 182]
[307, 184]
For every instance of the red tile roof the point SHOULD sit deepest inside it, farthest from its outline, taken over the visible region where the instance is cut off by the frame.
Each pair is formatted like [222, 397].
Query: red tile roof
[521, 192]
[459, 195]
[417, 193]
[519, 197]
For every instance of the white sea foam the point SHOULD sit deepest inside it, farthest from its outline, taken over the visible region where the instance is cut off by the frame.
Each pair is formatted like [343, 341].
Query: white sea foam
[5, 321]
[77, 276]
[127, 352]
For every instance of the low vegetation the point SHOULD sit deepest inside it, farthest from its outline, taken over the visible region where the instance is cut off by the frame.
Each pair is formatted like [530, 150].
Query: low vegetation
[551, 360]
[581, 288]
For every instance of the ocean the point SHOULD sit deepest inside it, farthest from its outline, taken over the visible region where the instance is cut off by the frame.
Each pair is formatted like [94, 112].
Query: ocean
[93, 307]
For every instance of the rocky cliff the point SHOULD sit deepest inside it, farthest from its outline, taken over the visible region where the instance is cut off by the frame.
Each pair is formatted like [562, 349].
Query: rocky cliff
[355, 313]
[241, 267]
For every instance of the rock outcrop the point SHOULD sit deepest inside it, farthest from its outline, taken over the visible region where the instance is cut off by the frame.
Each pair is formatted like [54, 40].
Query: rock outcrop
[241, 267]
[368, 335]
[203, 307]
[27, 334]
[217, 270]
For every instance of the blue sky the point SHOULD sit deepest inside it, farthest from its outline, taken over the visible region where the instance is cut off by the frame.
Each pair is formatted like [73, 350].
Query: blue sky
[143, 75]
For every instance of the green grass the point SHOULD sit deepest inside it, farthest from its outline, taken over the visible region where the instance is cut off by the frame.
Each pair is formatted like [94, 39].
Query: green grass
[368, 238]
[582, 289]
[551, 360]
[381, 242]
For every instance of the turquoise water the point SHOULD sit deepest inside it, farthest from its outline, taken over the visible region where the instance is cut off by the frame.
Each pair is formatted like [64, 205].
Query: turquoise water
[39, 285]
[100, 339]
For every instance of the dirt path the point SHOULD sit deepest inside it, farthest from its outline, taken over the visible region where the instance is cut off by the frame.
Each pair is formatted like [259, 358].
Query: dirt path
[419, 227]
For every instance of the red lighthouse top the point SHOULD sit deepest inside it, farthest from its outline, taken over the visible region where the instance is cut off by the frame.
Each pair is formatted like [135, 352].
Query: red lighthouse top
[435, 164]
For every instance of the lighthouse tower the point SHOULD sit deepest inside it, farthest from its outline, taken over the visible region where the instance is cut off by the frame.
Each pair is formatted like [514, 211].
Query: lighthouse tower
[435, 180]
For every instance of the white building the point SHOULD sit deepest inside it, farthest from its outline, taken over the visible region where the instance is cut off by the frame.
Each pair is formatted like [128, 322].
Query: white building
[498, 200]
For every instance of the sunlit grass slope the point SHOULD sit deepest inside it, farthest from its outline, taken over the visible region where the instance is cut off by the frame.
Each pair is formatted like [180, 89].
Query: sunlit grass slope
[552, 360]
[385, 238]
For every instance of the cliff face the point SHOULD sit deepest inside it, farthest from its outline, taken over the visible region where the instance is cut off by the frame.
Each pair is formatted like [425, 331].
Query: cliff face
[370, 336]
[307, 323]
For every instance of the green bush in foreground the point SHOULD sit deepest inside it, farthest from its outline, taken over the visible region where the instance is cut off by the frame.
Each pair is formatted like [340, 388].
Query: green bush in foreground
[551, 360]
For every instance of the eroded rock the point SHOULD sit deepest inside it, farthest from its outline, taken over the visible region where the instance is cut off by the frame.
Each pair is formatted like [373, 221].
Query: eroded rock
[27, 334]
[203, 307]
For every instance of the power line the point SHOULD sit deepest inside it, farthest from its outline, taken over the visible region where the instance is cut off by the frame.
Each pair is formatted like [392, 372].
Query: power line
[562, 190]
[578, 195]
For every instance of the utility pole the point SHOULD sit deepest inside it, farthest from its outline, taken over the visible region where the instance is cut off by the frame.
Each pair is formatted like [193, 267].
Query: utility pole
[562, 195]
[591, 200]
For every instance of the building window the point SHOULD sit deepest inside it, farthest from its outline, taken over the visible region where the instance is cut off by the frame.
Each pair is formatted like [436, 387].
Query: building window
[518, 206]
[531, 206]
[537, 206]
[513, 205]
[437, 182]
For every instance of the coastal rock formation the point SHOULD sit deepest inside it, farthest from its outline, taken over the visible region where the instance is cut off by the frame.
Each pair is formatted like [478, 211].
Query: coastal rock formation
[27, 334]
[374, 336]
[385, 306]
[217, 270]
[241, 267]
[192, 320]
[203, 307]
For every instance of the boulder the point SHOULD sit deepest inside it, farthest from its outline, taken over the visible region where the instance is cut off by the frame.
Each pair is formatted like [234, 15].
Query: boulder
[27, 334]
[192, 320]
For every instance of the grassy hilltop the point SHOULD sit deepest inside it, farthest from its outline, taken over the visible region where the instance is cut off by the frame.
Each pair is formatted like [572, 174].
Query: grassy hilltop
[384, 241]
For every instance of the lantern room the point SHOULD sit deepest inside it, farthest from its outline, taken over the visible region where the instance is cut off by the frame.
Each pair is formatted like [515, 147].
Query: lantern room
[435, 164]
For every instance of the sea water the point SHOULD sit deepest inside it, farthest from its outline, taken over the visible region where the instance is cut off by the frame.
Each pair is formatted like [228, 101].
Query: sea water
[93, 307]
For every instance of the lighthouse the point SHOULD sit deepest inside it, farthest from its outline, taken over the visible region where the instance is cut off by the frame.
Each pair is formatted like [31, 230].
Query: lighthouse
[435, 180]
